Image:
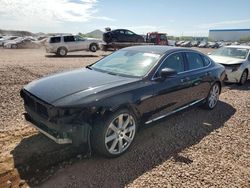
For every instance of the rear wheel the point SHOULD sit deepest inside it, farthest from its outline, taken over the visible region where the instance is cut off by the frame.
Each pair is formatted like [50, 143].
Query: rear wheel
[113, 136]
[62, 51]
[93, 47]
[243, 77]
[213, 96]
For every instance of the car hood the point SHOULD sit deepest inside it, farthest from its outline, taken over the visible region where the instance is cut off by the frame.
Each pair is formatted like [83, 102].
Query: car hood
[83, 82]
[226, 60]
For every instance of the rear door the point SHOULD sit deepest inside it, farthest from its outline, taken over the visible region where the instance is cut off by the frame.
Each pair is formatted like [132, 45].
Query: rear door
[70, 43]
[198, 77]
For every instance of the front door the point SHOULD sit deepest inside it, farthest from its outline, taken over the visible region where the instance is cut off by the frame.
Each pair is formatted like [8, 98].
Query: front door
[171, 93]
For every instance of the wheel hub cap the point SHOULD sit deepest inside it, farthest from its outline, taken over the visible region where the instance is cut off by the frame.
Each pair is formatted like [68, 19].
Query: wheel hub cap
[120, 133]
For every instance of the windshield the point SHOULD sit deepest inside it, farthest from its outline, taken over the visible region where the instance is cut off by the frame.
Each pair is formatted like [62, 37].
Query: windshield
[240, 53]
[127, 62]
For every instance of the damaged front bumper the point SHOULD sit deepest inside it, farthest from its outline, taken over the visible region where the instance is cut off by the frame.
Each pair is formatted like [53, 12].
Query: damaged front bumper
[62, 130]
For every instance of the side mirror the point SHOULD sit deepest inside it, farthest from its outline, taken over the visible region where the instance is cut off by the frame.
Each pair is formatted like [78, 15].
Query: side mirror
[168, 72]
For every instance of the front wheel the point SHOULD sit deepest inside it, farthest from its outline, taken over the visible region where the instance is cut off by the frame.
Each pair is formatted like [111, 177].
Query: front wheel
[213, 96]
[113, 136]
[243, 78]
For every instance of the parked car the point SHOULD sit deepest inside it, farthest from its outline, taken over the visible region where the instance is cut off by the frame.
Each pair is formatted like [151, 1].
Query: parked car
[61, 45]
[21, 43]
[195, 43]
[7, 39]
[186, 44]
[178, 43]
[213, 45]
[121, 35]
[236, 60]
[203, 44]
[107, 101]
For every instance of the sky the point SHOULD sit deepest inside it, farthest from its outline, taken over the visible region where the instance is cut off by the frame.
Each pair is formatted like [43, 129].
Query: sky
[174, 17]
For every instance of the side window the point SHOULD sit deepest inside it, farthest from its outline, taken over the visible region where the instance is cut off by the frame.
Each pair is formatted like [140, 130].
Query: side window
[194, 61]
[249, 57]
[206, 60]
[55, 39]
[129, 33]
[175, 62]
[69, 39]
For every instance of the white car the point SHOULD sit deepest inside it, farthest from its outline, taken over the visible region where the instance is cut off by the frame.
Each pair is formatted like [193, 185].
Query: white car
[236, 60]
[5, 39]
[61, 45]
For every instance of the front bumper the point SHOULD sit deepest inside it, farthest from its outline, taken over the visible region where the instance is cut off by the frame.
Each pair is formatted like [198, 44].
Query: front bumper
[232, 76]
[64, 130]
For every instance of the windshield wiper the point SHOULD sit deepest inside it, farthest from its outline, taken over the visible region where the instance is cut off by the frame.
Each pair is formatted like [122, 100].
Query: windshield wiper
[89, 67]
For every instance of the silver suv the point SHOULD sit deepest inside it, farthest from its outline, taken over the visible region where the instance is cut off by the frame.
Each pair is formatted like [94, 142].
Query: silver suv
[61, 45]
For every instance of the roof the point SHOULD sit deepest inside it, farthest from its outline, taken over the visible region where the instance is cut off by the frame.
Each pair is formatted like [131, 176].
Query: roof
[157, 49]
[219, 30]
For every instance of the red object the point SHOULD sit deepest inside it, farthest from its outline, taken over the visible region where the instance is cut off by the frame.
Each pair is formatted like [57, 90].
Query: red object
[157, 38]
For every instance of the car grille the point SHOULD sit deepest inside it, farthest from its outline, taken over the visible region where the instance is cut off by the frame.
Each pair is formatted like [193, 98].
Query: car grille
[35, 105]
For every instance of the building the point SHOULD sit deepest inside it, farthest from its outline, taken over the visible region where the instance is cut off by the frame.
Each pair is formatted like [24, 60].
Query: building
[228, 34]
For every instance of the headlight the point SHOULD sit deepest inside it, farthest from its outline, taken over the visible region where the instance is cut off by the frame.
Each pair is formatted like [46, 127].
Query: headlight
[235, 67]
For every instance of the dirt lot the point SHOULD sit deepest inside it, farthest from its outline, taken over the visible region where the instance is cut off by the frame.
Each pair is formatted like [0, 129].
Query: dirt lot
[195, 148]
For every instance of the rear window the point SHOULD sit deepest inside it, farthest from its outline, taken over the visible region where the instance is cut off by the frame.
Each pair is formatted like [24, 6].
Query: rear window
[194, 60]
[69, 39]
[55, 39]
[206, 60]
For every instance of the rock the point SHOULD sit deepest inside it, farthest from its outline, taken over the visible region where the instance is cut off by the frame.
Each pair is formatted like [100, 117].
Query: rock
[9, 183]
[21, 182]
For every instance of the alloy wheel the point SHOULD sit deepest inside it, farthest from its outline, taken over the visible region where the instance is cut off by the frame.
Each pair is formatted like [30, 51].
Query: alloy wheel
[62, 52]
[120, 133]
[93, 48]
[214, 96]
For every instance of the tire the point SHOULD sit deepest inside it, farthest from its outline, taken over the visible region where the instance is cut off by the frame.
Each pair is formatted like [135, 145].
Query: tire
[213, 96]
[111, 138]
[62, 51]
[243, 78]
[14, 46]
[93, 47]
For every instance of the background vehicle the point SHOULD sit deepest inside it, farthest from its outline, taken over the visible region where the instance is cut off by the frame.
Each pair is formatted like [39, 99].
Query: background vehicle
[186, 44]
[21, 42]
[7, 39]
[203, 44]
[213, 45]
[195, 43]
[178, 43]
[61, 45]
[236, 60]
[121, 35]
[157, 38]
[131, 87]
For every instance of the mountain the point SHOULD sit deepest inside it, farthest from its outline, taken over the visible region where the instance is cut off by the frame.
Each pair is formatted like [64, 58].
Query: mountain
[16, 33]
[95, 34]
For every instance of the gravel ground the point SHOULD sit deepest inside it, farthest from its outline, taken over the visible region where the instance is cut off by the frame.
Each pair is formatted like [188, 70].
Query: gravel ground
[195, 148]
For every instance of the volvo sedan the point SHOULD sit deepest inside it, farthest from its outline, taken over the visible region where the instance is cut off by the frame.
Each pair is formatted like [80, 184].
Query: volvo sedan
[104, 103]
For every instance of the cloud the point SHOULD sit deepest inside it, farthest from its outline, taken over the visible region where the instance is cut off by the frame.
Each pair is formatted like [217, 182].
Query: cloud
[229, 23]
[47, 13]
